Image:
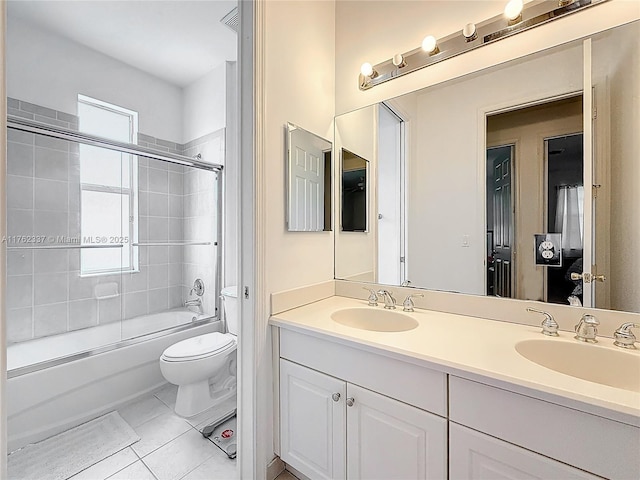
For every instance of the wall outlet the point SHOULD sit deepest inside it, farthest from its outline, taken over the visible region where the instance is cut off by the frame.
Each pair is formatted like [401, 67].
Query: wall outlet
[465, 240]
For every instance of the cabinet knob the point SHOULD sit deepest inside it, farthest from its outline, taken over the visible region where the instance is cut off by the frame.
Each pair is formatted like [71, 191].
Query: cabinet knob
[336, 397]
[350, 401]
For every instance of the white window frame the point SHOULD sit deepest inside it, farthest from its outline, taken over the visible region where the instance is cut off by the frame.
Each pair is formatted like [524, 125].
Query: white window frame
[131, 192]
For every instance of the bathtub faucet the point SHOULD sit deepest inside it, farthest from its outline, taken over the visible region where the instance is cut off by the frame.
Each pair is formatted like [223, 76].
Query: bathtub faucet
[196, 302]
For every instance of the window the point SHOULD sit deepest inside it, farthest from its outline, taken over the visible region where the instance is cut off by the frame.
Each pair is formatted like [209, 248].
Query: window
[108, 190]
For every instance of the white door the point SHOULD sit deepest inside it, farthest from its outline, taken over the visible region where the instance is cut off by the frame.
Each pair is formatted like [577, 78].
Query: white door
[312, 419]
[476, 456]
[387, 439]
[306, 184]
[389, 188]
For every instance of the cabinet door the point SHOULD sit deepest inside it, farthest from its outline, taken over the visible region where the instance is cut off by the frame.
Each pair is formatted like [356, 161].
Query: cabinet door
[474, 455]
[312, 420]
[390, 439]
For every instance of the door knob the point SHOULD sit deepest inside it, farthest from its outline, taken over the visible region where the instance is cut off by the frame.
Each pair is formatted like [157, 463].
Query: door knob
[588, 277]
[350, 401]
[336, 397]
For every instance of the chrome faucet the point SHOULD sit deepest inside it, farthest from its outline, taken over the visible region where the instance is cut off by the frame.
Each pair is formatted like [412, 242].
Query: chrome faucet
[373, 298]
[549, 324]
[407, 305]
[196, 302]
[586, 329]
[389, 301]
[624, 337]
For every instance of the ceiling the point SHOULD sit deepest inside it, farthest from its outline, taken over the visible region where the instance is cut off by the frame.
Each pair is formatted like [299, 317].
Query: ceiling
[175, 40]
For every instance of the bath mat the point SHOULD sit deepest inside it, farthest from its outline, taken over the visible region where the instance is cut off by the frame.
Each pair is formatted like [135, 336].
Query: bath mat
[63, 455]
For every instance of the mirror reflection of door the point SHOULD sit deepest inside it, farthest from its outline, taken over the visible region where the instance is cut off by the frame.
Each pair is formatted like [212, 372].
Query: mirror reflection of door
[389, 174]
[499, 220]
[533, 139]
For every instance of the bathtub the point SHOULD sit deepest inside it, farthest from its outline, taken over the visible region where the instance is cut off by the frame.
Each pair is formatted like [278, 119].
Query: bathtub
[58, 382]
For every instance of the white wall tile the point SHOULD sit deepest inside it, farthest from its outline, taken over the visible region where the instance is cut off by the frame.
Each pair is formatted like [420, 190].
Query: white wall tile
[19, 324]
[19, 262]
[158, 300]
[19, 291]
[50, 288]
[19, 192]
[50, 319]
[83, 314]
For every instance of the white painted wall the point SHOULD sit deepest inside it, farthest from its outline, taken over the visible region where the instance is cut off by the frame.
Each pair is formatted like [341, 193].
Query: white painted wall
[299, 87]
[204, 104]
[373, 31]
[446, 184]
[50, 71]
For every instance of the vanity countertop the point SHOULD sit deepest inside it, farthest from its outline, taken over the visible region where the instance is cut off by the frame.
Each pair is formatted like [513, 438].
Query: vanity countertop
[473, 348]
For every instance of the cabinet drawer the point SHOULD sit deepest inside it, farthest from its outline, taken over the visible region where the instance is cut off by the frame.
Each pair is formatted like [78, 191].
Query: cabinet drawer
[589, 442]
[418, 386]
[476, 456]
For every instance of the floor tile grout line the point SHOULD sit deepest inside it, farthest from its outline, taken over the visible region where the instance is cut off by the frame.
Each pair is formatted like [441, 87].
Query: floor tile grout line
[158, 448]
[149, 468]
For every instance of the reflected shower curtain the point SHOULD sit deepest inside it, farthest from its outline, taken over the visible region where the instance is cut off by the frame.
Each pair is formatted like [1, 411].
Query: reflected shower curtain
[570, 216]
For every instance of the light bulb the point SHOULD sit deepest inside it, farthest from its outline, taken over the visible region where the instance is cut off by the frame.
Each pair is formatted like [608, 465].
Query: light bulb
[513, 9]
[398, 60]
[366, 69]
[469, 31]
[430, 44]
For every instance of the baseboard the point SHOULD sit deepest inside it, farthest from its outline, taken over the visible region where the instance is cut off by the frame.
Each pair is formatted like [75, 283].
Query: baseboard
[275, 468]
[296, 473]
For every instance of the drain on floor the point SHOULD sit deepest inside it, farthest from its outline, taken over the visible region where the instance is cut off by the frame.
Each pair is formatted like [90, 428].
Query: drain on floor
[223, 434]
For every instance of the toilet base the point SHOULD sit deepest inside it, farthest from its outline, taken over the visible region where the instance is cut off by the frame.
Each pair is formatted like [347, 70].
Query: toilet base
[197, 397]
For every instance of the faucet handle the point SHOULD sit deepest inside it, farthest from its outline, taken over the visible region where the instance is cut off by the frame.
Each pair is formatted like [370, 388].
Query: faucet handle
[373, 297]
[624, 337]
[407, 305]
[586, 329]
[549, 324]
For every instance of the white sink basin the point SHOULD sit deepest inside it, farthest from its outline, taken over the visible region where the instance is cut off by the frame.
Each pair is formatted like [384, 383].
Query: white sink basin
[590, 362]
[374, 319]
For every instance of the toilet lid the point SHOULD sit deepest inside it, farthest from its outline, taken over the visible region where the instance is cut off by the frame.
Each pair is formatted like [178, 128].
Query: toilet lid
[202, 345]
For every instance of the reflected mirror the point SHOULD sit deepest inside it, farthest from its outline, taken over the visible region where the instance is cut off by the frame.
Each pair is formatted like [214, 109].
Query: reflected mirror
[474, 168]
[308, 181]
[354, 192]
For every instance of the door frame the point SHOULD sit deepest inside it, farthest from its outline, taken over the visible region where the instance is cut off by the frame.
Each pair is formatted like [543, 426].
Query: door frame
[503, 107]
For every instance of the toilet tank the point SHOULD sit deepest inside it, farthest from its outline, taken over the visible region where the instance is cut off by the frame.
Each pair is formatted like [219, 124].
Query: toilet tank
[230, 305]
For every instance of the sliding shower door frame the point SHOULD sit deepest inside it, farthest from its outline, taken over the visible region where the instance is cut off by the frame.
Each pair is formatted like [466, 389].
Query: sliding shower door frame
[31, 126]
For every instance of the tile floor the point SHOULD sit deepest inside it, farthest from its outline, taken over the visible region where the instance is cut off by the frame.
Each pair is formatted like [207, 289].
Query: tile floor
[170, 447]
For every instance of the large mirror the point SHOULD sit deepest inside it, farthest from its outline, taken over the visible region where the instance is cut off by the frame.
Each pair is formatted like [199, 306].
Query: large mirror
[308, 181]
[474, 182]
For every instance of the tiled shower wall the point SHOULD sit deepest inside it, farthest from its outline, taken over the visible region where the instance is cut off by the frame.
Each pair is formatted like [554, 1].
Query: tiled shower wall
[46, 294]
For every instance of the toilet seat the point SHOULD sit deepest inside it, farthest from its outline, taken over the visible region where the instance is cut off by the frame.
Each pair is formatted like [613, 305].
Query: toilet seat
[199, 347]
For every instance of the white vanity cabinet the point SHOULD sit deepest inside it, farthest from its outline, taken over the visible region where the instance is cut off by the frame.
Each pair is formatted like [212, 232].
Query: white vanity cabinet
[476, 456]
[346, 413]
[331, 429]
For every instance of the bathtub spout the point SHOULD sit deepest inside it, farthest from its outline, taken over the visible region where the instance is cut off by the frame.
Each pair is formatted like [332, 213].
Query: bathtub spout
[196, 302]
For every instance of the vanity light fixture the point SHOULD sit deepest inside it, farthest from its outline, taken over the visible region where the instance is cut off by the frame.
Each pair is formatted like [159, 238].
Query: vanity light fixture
[513, 11]
[430, 45]
[470, 32]
[516, 18]
[398, 60]
[366, 70]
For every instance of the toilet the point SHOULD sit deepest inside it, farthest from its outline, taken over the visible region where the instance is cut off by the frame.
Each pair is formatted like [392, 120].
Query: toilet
[204, 367]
